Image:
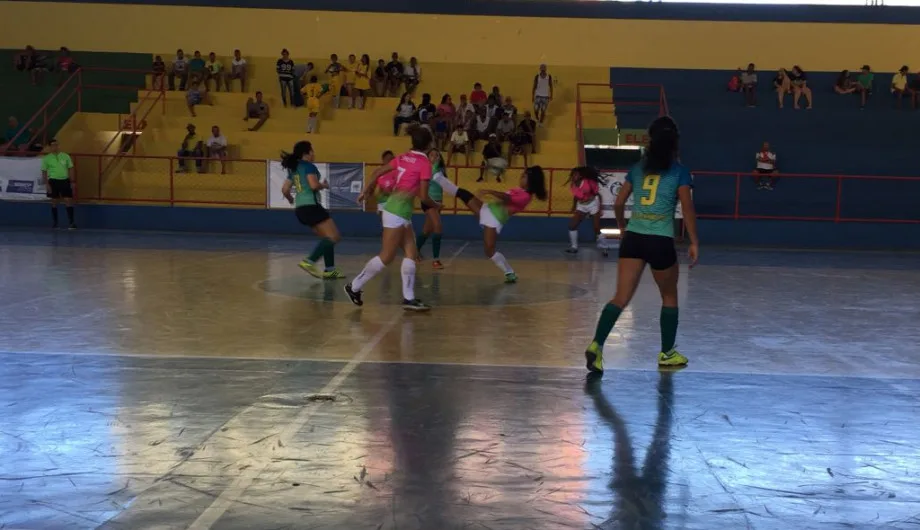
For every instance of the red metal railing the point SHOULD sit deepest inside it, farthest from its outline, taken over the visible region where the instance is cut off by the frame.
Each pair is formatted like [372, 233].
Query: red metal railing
[837, 217]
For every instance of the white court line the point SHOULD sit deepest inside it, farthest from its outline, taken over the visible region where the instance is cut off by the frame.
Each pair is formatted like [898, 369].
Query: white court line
[457, 253]
[230, 495]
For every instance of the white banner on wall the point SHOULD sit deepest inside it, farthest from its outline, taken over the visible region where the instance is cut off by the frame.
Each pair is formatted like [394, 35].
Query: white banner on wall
[21, 179]
[345, 184]
[613, 181]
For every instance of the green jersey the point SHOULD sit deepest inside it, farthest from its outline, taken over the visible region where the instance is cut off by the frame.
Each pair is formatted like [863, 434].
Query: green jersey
[655, 199]
[304, 194]
[435, 192]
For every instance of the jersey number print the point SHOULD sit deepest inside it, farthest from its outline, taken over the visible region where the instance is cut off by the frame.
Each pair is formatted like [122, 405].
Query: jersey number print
[650, 184]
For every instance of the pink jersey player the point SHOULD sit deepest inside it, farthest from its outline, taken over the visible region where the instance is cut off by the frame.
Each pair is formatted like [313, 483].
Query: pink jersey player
[586, 192]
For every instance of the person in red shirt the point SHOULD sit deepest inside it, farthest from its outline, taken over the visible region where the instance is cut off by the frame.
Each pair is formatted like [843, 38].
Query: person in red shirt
[65, 65]
[478, 96]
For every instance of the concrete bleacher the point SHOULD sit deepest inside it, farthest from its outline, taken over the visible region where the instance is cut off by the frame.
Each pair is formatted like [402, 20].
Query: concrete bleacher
[345, 135]
[719, 133]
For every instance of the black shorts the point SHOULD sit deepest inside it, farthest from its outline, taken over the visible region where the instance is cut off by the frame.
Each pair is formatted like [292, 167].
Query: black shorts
[59, 189]
[311, 215]
[425, 207]
[657, 251]
[763, 171]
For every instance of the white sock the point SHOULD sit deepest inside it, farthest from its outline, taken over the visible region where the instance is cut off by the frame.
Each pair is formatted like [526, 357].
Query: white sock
[373, 267]
[408, 278]
[573, 238]
[446, 184]
[499, 260]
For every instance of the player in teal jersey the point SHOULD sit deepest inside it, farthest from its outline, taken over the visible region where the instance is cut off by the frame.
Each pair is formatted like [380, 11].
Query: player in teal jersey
[658, 181]
[432, 227]
[303, 180]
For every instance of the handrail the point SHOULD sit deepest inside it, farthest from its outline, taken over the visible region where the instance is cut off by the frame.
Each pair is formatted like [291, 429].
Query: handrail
[24, 128]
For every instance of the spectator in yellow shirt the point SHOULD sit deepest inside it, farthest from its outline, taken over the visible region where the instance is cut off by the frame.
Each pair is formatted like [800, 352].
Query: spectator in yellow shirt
[213, 69]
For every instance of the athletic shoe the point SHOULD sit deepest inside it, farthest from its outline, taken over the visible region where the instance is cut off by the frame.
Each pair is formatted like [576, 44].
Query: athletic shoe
[594, 358]
[571, 250]
[415, 305]
[437, 265]
[672, 358]
[72, 227]
[334, 274]
[354, 296]
[511, 278]
[311, 268]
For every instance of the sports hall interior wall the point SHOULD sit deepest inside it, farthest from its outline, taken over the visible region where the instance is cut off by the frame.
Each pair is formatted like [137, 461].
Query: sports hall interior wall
[606, 38]
[781, 234]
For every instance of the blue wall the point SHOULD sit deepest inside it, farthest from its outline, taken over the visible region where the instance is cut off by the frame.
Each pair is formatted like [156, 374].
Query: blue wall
[718, 133]
[537, 229]
[576, 9]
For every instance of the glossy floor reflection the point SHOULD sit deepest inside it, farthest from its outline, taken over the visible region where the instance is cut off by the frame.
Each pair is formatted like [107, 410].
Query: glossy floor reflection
[174, 381]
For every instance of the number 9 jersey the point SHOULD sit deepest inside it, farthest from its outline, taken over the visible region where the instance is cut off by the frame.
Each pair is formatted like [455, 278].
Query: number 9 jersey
[655, 199]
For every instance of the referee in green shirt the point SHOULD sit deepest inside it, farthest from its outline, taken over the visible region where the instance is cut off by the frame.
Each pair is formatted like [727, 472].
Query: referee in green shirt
[57, 173]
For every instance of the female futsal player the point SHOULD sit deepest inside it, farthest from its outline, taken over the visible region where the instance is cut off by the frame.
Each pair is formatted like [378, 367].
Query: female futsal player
[413, 173]
[303, 179]
[659, 181]
[432, 227]
[383, 184]
[494, 215]
[586, 201]
[312, 93]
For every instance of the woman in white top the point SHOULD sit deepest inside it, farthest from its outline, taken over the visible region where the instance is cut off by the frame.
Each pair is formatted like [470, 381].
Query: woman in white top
[405, 113]
[459, 141]
[412, 75]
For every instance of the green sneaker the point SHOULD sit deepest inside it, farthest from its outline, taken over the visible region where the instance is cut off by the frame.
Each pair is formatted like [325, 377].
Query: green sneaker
[311, 268]
[594, 358]
[511, 278]
[671, 358]
[334, 274]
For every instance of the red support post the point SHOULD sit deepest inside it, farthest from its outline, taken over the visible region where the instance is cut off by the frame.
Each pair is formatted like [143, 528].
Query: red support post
[839, 199]
[549, 196]
[737, 195]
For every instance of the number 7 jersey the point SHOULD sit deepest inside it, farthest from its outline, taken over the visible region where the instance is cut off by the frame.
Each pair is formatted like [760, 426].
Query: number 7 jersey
[655, 199]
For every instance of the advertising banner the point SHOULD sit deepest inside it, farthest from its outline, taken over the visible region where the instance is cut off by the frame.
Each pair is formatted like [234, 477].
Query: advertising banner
[345, 184]
[613, 180]
[21, 179]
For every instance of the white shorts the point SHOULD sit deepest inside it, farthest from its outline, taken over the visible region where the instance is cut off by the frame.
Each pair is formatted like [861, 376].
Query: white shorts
[487, 218]
[592, 207]
[391, 220]
[380, 206]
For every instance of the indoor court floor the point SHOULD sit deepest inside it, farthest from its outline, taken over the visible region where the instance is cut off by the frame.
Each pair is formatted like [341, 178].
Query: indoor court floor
[176, 381]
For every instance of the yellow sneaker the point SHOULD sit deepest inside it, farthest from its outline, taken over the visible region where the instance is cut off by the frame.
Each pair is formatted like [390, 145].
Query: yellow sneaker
[594, 358]
[671, 358]
[311, 268]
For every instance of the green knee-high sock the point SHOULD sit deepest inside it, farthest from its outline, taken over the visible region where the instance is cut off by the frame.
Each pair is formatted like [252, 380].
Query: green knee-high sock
[329, 256]
[609, 317]
[668, 328]
[420, 240]
[436, 245]
[319, 250]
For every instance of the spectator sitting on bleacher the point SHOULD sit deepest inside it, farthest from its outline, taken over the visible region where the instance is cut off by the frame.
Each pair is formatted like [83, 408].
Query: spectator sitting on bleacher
[492, 160]
[217, 148]
[394, 74]
[899, 84]
[734, 83]
[426, 110]
[445, 121]
[405, 113]
[462, 110]
[493, 111]
[197, 95]
[237, 71]
[22, 60]
[508, 109]
[66, 65]
[749, 86]
[213, 70]
[799, 87]
[864, 85]
[32, 61]
[192, 147]
[196, 68]
[782, 85]
[459, 142]
[844, 84]
[11, 134]
[159, 73]
[336, 81]
[478, 96]
[257, 109]
[379, 82]
[497, 94]
[481, 126]
[765, 164]
[505, 128]
[524, 135]
[412, 75]
[179, 69]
